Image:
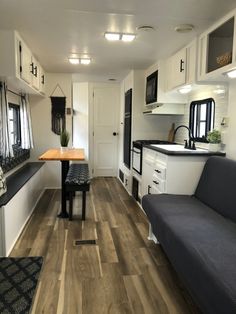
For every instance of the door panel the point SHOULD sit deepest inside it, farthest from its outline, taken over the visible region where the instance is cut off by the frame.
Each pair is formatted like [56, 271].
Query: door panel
[106, 108]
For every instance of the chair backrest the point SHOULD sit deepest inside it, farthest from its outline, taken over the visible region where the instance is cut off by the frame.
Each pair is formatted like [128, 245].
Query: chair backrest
[217, 186]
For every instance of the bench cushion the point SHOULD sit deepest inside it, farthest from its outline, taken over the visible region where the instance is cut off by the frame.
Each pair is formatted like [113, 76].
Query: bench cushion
[216, 187]
[78, 174]
[201, 244]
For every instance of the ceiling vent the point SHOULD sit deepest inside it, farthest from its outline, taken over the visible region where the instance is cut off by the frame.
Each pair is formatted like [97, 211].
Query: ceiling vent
[145, 28]
[184, 28]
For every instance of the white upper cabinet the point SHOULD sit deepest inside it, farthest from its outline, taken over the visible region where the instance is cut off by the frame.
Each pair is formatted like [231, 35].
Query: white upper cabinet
[25, 61]
[177, 69]
[182, 67]
[217, 49]
[42, 80]
[167, 102]
[18, 65]
[35, 73]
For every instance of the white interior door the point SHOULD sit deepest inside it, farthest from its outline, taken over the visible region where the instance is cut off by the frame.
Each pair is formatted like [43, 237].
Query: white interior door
[106, 117]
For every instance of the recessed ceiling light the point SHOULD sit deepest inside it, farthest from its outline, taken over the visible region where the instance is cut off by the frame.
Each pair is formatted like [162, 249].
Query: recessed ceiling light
[128, 37]
[85, 61]
[184, 28]
[232, 74]
[74, 60]
[112, 36]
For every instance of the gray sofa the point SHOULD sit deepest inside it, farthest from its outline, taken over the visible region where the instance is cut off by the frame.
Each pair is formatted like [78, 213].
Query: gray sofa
[198, 234]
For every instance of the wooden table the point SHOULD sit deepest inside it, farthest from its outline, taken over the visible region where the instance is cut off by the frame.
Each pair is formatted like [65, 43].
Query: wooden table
[64, 156]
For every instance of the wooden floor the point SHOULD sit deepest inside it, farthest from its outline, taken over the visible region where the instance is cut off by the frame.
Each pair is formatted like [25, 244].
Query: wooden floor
[122, 273]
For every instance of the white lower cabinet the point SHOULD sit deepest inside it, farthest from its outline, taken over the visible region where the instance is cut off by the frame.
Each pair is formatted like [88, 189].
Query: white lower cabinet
[170, 173]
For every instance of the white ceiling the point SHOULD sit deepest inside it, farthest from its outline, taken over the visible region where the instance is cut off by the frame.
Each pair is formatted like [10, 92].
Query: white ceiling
[54, 29]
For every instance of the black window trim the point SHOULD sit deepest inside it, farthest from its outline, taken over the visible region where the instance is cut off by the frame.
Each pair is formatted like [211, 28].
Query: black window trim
[17, 108]
[209, 117]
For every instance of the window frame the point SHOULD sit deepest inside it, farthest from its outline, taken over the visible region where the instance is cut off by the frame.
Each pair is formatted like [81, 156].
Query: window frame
[210, 117]
[16, 119]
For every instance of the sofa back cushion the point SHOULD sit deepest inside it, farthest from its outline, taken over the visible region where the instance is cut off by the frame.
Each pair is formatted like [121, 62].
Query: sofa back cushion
[217, 186]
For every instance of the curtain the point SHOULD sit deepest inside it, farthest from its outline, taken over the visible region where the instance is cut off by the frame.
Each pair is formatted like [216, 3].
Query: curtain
[6, 150]
[26, 126]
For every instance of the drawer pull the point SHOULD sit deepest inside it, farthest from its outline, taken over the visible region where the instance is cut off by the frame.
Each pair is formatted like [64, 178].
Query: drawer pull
[158, 171]
[156, 182]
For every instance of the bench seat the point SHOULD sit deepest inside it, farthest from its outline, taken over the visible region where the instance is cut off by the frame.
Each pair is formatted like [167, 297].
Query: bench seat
[77, 180]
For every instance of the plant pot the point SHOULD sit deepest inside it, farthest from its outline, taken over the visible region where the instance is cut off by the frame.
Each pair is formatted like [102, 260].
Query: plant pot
[64, 148]
[214, 147]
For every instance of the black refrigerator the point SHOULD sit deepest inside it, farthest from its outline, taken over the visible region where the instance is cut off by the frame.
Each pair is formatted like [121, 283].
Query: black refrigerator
[127, 128]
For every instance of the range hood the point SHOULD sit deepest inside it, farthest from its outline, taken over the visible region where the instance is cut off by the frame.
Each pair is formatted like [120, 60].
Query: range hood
[164, 109]
[167, 103]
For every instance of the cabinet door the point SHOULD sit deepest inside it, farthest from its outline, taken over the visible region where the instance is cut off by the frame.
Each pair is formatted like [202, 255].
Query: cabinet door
[217, 49]
[25, 62]
[42, 80]
[191, 66]
[36, 73]
[178, 68]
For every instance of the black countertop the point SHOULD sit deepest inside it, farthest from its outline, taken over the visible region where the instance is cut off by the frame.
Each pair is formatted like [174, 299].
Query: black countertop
[187, 152]
[18, 179]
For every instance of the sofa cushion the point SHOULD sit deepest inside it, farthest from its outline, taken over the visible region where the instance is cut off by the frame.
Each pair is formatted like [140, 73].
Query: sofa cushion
[216, 187]
[201, 244]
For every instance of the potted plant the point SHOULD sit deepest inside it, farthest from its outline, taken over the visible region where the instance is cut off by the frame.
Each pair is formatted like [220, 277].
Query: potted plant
[64, 139]
[214, 139]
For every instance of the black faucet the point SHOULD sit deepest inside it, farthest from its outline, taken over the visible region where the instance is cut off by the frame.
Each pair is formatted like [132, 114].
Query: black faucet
[190, 144]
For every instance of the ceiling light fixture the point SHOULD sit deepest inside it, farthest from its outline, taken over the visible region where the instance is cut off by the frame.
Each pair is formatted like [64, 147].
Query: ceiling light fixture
[85, 61]
[119, 36]
[232, 74]
[112, 36]
[74, 60]
[128, 37]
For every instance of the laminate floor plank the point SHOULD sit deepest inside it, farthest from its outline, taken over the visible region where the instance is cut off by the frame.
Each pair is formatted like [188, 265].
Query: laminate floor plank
[121, 273]
[106, 244]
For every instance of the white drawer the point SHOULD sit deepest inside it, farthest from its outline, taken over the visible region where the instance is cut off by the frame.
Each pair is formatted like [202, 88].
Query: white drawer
[157, 183]
[160, 171]
[155, 190]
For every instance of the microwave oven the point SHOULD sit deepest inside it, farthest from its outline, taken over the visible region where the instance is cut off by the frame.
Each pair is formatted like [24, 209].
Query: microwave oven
[151, 88]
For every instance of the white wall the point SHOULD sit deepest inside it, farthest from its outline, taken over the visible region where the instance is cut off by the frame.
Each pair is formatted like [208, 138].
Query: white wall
[231, 133]
[221, 109]
[80, 116]
[44, 138]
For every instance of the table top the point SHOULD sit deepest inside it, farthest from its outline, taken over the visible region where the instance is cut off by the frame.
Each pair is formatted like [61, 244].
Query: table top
[63, 154]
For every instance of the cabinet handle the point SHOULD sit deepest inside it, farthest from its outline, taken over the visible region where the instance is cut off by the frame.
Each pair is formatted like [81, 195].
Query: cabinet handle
[149, 187]
[36, 71]
[32, 68]
[158, 171]
[181, 65]
[156, 182]
[42, 79]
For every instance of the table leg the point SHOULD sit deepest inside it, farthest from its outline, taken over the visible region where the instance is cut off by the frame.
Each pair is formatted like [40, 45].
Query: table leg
[64, 170]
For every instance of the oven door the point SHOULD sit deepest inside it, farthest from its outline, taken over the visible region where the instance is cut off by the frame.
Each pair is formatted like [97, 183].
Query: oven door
[137, 160]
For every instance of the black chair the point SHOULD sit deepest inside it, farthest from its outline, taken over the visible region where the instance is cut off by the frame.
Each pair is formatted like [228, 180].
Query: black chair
[77, 180]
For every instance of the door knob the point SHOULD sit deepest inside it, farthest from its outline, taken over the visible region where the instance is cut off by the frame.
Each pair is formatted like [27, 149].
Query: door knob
[114, 133]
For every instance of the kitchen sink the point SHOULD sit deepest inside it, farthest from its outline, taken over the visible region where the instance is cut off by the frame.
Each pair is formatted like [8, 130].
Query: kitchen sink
[177, 148]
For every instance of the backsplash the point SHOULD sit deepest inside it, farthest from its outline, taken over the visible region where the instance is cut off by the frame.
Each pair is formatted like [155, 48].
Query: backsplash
[221, 110]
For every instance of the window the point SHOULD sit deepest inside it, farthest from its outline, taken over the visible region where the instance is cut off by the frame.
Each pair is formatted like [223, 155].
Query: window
[14, 127]
[201, 118]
